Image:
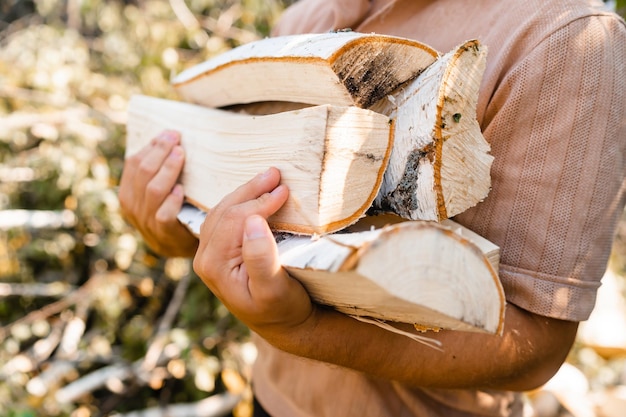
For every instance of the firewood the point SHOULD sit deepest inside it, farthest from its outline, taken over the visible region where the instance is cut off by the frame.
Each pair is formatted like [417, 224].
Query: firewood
[410, 272]
[436, 275]
[332, 158]
[419, 133]
[440, 164]
[340, 68]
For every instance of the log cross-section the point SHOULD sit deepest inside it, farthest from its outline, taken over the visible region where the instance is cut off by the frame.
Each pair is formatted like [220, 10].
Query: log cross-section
[440, 164]
[434, 275]
[340, 68]
[412, 272]
[332, 158]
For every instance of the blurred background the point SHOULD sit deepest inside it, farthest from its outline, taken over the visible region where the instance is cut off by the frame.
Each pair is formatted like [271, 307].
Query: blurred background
[92, 323]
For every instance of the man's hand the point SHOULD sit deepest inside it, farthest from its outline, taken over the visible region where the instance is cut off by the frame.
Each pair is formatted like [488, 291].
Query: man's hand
[150, 198]
[238, 260]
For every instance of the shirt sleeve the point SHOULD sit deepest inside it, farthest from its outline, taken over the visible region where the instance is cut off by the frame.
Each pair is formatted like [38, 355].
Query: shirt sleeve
[319, 16]
[557, 126]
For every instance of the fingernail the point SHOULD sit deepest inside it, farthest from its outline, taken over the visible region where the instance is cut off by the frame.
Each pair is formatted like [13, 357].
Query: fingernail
[178, 190]
[176, 152]
[255, 228]
[170, 136]
[277, 190]
[266, 173]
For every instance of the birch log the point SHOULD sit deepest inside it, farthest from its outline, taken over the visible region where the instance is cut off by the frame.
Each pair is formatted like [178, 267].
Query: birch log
[433, 157]
[411, 272]
[440, 164]
[435, 275]
[340, 68]
[332, 158]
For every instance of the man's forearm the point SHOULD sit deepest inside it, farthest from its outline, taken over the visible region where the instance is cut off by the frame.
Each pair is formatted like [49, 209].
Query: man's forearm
[528, 353]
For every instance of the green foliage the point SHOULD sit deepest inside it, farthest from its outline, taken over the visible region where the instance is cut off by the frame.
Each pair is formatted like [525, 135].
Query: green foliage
[67, 70]
[620, 7]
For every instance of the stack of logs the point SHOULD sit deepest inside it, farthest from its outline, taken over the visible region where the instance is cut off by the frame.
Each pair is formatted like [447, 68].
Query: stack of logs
[358, 125]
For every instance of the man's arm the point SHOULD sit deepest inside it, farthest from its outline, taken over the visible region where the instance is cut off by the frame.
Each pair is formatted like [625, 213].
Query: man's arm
[528, 353]
[238, 260]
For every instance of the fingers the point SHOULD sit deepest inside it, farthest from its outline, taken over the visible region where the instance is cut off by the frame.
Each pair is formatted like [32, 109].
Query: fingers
[163, 154]
[278, 299]
[150, 199]
[257, 186]
[159, 188]
[261, 196]
[222, 233]
[168, 211]
[238, 259]
[259, 247]
[150, 175]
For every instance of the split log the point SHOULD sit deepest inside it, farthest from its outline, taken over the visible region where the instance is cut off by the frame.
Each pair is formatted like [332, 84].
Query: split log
[415, 272]
[332, 158]
[340, 68]
[436, 275]
[440, 164]
[410, 272]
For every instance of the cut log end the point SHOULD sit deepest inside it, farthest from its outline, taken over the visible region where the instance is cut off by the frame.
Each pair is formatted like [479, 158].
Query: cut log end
[440, 165]
[411, 272]
[371, 70]
[321, 151]
[339, 68]
[464, 174]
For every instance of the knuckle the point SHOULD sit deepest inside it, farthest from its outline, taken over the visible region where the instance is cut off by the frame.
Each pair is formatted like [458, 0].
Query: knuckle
[263, 199]
[175, 159]
[146, 169]
[134, 160]
[154, 189]
[232, 214]
[202, 267]
[161, 218]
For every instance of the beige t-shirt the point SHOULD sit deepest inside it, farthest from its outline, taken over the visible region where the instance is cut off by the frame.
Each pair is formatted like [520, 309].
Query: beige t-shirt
[552, 105]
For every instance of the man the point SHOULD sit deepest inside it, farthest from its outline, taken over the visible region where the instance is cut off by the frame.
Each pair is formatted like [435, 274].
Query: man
[553, 107]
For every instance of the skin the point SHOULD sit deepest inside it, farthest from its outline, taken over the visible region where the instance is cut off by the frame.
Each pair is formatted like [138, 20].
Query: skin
[238, 261]
[150, 197]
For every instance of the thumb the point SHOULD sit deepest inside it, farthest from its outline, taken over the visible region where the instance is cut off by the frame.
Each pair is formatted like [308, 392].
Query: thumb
[260, 253]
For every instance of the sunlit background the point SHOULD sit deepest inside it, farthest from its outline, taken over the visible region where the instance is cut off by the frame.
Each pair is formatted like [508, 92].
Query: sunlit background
[92, 323]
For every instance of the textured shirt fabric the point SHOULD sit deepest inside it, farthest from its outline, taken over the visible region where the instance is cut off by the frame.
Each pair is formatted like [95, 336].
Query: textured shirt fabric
[552, 105]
